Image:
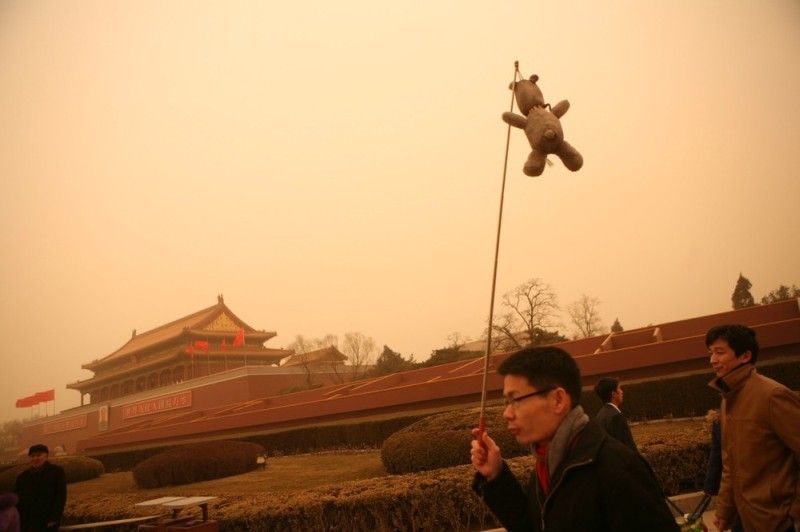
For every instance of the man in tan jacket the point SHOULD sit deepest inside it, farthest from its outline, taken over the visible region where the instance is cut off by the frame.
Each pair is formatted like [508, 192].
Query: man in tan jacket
[760, 437]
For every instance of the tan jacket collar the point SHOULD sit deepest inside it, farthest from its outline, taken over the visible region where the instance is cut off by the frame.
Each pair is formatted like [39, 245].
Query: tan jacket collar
[734, 379]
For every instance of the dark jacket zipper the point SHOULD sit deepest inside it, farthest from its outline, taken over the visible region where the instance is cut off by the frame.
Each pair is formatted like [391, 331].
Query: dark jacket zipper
[542, 506]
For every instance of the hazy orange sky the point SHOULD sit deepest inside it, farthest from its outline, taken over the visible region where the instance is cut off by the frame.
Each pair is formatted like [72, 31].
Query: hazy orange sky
[335, 166]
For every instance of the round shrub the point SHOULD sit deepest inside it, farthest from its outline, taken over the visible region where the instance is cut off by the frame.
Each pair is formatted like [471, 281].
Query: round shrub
[76, 468]
[195, 463]
[443, 440]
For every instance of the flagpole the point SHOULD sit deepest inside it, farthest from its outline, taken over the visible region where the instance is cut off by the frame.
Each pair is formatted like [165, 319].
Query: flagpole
[482, 419]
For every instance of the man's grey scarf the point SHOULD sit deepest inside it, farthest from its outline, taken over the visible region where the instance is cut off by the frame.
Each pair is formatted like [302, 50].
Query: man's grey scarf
[572, 424]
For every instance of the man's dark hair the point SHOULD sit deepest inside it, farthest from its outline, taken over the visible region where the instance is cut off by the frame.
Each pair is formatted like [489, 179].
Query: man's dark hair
[605, 387]
[545, 367]
[739, 337]
[38, 448]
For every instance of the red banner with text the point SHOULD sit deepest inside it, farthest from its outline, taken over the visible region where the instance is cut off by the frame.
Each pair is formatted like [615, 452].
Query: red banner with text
[157, 405]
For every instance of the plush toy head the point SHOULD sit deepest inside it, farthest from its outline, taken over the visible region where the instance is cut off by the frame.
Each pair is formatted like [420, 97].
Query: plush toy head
[527, 94]
[542, 127]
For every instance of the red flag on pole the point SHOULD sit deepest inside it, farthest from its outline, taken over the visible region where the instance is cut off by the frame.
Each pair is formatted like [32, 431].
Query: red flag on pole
[43, 397]
[238, 340]
[26, 402]
[223, 346]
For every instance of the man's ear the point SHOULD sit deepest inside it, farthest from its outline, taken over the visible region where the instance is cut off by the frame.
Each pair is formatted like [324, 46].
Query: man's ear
[563, 402]
[745, 357]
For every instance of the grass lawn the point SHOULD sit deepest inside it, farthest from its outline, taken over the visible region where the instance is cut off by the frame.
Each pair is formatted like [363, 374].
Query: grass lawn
[282, 474]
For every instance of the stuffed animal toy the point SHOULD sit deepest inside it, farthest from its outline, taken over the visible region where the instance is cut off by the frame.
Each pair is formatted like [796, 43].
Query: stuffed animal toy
[542, 127]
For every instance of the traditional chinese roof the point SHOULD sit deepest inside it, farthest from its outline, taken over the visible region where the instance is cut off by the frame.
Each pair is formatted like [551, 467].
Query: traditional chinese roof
[326, 354]
[217, 321]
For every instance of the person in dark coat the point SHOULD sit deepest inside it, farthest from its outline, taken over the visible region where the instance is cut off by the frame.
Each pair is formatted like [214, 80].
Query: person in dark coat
[584, 479]
[42, 492]
[714, 472]
[610, 417]
[9, 517]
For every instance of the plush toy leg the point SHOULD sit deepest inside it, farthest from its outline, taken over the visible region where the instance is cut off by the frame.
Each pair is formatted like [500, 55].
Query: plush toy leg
[534, 166]
[570, 156]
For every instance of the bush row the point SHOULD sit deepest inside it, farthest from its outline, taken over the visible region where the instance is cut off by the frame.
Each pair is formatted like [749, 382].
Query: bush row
[367, 434]
[686, 396]
[76, 469]
[363, 435]
[194, 463]
[443, 440]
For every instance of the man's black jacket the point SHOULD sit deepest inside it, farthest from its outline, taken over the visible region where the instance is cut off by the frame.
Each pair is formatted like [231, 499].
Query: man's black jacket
[614, 423]
[600, 485]
[42, 495]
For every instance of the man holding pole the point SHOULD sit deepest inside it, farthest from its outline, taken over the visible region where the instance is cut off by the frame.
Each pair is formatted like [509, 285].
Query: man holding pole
[584, 479]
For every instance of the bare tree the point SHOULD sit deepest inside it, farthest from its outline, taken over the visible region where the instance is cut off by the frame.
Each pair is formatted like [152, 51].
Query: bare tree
[10, 436]
[302, 346]
[584, 314]
[529, 316]
[359, 350]
[455, 340]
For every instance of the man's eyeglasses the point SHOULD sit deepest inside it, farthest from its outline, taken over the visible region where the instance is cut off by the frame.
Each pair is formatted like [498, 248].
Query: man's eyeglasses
[514, 401]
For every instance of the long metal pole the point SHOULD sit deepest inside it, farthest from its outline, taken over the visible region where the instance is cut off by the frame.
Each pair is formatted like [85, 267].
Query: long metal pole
[482, 422]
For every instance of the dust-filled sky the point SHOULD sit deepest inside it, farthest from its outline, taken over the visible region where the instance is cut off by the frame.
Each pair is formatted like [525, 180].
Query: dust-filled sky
[336, 166]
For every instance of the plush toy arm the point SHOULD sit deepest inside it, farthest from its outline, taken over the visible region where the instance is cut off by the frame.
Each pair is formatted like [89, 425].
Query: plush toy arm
[515, 120]
[560, 108]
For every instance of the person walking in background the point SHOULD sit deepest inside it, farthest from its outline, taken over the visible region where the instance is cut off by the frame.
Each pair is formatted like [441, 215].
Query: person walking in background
[714, 472]
[760, 436]
[42, 492]
[584, 479]
[610, 416]
[9, 517]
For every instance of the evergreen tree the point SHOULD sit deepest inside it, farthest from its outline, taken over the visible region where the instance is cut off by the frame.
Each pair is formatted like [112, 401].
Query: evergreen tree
[617, 327]
[389, 362]
[742, 297]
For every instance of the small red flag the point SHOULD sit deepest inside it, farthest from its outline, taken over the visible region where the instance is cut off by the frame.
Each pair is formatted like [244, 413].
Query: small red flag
[202, 345]
[223, 345]
[190, 351]
[238, 340]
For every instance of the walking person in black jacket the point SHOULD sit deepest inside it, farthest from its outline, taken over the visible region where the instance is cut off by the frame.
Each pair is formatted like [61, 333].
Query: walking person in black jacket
[42, 492]
[610, 417]
[584, 479]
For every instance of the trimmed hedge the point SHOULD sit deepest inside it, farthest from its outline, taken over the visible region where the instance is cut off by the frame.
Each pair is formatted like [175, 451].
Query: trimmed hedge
[679, 457]
[687, 396]
[194, 463]
[367, 434]
[364, 435]
[443, 440]
[76, 469]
